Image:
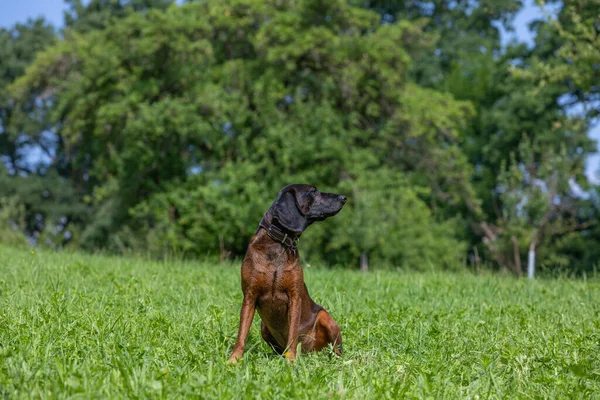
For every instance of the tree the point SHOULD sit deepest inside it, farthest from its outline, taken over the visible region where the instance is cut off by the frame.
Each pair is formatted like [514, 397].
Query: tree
[539, 205]
[98, 14]
[33, 200]
[176, 126]
[48, 208]
[468, 34]
[470, 63]
[532, 107]
[575, 59]
[388, 223]
[18, 47]
[166, 111]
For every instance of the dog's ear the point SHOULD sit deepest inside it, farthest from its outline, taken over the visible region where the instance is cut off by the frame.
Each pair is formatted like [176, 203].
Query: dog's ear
[287, 211]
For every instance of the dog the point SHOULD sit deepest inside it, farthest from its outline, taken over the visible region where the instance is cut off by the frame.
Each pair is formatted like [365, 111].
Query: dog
[273, 281]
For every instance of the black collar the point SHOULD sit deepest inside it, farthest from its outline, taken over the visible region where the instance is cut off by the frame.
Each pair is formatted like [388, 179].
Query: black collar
[280, 236]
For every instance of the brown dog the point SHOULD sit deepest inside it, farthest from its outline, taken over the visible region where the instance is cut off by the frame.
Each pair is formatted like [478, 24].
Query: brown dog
[273, 281]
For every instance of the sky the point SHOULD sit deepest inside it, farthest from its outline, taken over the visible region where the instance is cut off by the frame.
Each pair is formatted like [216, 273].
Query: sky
[13, 11]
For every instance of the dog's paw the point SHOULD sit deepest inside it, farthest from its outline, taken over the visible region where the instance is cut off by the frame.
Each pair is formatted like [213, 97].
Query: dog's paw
[234, 360]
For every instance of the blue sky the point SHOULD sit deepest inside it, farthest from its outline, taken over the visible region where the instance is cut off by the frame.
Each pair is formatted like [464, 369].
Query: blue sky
[18, 11]
[12, 11]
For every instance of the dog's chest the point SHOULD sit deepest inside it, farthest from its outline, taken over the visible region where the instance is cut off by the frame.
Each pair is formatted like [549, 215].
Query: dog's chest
[275, 274]
[276, 257]
[274, 299]
[277, 281]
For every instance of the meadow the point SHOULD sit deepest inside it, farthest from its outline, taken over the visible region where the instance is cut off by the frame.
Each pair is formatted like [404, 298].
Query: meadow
[81, 326]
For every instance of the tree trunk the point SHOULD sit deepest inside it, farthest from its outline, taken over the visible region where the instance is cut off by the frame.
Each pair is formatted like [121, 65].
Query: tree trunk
[518, 269]
[489, 240]
[477, 260]
[364, 262]
[221, 249]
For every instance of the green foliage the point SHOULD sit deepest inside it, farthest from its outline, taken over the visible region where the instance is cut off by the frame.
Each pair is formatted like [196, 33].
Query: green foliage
[575, 60]
[538, 205]
[48, 211]
[317, 94]
[74, 325]
[211, 214]
[23, 126]
[176, 125]
[12, 222]
[466, 32]
[97, 14]
[387, 222]
[508, 108]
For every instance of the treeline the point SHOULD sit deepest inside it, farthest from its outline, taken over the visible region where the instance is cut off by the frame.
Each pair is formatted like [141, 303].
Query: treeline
[159, 128]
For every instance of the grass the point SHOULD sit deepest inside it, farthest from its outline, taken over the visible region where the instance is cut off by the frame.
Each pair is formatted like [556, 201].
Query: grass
[74, 325]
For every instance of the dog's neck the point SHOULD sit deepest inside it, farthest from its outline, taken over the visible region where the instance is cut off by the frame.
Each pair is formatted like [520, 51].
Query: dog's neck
[279, 234]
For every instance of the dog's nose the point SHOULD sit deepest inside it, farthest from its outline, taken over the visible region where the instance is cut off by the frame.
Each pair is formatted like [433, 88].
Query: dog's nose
[343, 199]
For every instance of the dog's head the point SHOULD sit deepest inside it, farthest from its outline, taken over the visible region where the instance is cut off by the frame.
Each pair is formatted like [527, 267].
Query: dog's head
[298, 206]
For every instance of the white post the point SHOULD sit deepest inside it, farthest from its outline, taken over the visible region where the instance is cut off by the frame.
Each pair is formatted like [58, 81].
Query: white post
[364, 262]
[531, 263]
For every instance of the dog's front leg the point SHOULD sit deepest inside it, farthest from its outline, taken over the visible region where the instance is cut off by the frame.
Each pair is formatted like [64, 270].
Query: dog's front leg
[294, 312]
[246, 315]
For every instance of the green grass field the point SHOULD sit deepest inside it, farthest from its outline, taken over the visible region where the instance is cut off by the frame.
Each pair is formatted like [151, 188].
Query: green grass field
[101, 327]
